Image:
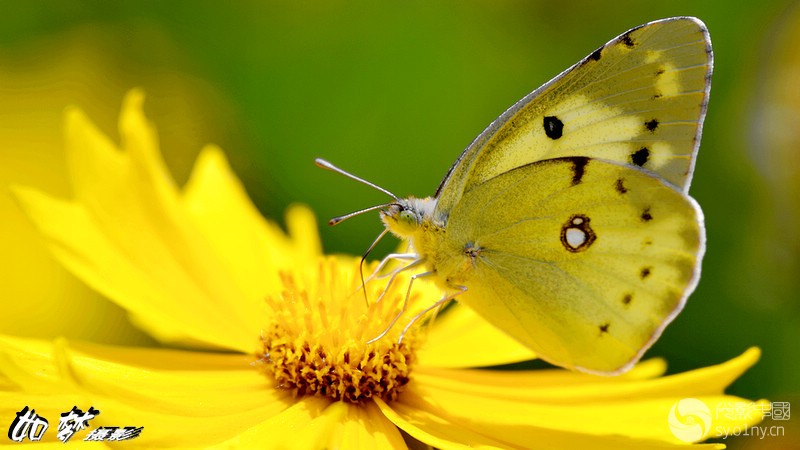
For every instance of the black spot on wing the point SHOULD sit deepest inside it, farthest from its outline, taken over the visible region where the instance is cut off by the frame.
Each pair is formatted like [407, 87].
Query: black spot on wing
[645, 272]
[640, 157]
[578, 168]
[553, 127]
[627, 40]
[596, 54]
[619, 185]
[627, 299]
[604, 327]
[651, 125]
[646, 216]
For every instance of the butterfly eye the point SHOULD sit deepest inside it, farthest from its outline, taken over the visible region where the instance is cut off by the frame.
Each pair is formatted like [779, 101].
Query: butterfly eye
[407, 217]
[400, 219]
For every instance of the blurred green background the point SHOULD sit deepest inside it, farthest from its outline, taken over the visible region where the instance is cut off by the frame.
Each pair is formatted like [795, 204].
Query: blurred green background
[393, 92]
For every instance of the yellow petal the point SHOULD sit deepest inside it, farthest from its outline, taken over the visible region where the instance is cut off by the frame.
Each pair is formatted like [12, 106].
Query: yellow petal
[250, 248]
[437, 426]
[318, 423]
[253, 249]
[177, 233]
[85, 65]
[302, 225]
[181, 398]
[436, 430]
[29, 365]
[177, 310]
[460, 338]
[140, 142]
[560, 386]
[499, 402]
[132, 238]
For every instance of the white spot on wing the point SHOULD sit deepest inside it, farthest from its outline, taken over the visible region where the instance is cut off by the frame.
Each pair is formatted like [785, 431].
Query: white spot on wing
[576, 237]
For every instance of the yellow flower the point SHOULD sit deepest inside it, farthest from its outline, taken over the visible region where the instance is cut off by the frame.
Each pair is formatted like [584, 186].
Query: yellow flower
[269, 337]
[92, 64]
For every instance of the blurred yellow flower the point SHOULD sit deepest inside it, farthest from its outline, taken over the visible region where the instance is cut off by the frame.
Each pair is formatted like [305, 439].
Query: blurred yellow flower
[92, 64]
[269, 337]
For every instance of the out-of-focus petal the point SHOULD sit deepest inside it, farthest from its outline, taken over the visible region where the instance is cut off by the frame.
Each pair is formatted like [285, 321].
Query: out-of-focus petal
[460, 338]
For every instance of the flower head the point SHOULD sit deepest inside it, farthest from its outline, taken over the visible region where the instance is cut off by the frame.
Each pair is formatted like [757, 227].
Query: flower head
[270, 343]
[317, 341]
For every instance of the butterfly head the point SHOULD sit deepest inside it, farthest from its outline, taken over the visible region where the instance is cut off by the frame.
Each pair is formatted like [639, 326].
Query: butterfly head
[405, 216]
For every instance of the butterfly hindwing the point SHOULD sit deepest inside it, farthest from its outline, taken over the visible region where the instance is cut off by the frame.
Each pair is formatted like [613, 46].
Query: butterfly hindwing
[583, 260]
[638, 100]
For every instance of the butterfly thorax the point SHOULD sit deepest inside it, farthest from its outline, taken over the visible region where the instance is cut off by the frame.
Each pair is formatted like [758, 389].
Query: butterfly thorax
[417, 220]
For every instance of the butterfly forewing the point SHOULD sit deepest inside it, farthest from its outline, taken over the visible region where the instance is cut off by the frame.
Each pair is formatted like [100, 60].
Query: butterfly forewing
[639, 100]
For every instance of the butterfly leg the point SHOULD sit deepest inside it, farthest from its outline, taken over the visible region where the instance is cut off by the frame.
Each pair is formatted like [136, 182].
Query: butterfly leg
[385, 261]
[364, 258]
[381, 265]
[405, 301]
[397, 272]
[435, 306]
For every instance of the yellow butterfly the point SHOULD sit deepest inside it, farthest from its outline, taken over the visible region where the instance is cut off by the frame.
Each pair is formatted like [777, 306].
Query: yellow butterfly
[567, 223]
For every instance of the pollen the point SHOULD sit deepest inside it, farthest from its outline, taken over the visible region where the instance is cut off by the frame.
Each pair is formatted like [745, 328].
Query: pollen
[318, 341]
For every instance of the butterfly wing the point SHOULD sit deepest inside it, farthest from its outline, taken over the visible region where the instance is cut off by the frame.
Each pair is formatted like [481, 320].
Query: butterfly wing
[584, 261]
[638, 100]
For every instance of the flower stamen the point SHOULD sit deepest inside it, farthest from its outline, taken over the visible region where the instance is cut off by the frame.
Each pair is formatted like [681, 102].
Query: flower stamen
[313, 370]
[318, 343]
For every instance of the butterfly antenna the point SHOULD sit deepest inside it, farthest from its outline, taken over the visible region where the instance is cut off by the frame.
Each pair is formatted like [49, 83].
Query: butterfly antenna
[328, 166]
[337, 220]
[340, 219]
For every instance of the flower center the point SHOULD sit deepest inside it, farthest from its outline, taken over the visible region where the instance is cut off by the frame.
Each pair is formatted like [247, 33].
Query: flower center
[317, 343]
[310, 369]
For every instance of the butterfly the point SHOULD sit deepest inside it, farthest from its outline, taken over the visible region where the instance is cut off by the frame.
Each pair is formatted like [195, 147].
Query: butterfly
[566, 222]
